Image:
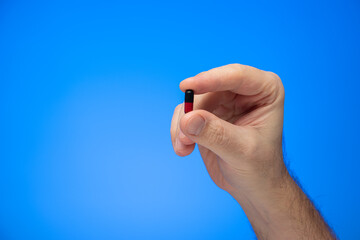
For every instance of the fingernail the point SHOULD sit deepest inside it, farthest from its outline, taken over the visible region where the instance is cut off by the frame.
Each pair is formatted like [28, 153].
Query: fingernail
[195, 125]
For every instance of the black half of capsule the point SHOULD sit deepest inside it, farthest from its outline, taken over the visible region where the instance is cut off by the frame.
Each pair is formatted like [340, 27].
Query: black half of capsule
[189, 96]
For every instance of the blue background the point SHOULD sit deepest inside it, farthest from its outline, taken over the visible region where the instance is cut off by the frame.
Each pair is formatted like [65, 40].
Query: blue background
[87, 94]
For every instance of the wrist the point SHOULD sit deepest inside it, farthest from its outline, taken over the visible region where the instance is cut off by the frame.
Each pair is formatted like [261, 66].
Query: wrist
[264, 183]
[283, 211]
[266, 191]
[266, 204]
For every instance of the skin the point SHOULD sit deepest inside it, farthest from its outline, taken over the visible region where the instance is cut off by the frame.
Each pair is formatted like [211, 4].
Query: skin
[237, 123]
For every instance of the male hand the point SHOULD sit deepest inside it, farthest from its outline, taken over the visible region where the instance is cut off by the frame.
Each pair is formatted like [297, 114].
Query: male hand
[237, 123]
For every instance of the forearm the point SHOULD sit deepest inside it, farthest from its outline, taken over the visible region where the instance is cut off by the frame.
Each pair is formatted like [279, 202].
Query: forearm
[283, 211]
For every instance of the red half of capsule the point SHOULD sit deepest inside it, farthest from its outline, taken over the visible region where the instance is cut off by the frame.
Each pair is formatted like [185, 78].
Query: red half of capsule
[188, 107]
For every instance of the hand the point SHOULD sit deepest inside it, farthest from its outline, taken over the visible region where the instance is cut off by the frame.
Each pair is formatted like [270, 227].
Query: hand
[237, 124]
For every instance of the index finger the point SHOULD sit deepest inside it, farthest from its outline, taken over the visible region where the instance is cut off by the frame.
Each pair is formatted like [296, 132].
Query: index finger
[240, 79]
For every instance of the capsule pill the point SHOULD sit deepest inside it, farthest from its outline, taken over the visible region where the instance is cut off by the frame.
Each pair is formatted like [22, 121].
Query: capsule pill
[189, 100]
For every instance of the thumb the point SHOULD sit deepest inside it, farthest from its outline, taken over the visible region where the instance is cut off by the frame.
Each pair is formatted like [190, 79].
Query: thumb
[221, 137]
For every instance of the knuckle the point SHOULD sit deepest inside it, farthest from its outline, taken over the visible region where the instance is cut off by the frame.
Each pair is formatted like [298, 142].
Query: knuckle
[172, 134]
[175, 119]
[274, 75]
[173, 131]
[275, 86]
[237, 68]
[236, 65]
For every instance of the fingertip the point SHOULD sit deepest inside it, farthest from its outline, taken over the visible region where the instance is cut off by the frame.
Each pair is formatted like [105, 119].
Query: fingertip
[186, 122]
[183, 150]
[184, 139]
[198, 83]
[186, 84]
